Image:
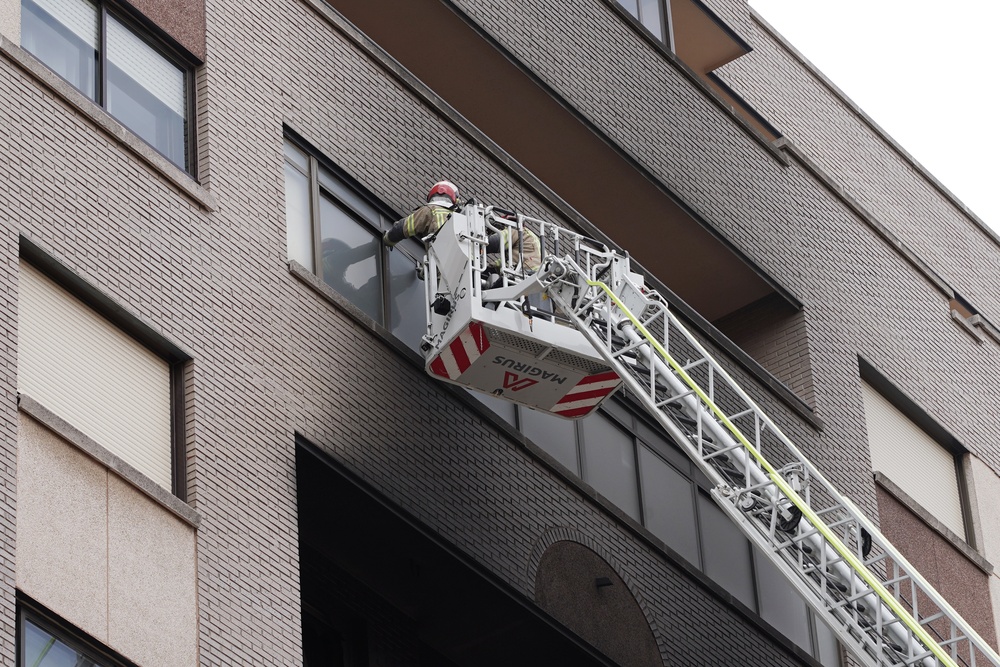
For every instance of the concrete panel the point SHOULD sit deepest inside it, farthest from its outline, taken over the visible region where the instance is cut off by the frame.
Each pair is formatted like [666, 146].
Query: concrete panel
[10, 20]
[958, 579]
[152, 606]
[984, 496]
[61, 551]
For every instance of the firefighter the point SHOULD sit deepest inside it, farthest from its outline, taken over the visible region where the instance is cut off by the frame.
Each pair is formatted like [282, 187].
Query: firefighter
[513, 243]
[441, 200]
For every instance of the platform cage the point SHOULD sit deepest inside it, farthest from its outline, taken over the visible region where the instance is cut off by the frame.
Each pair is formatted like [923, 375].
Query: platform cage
[490, 325]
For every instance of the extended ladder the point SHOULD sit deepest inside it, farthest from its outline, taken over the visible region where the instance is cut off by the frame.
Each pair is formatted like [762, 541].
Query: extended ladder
[883, 611]
[879, 606]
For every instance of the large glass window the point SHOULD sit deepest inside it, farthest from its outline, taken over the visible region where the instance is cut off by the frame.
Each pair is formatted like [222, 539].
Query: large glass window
[334, 231]
[115, 65]
[609, 462]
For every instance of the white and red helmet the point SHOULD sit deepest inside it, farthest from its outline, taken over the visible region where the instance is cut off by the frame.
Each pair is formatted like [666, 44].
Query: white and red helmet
[444, 189]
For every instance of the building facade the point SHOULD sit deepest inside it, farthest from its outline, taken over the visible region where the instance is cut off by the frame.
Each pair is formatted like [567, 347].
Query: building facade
[222, 447]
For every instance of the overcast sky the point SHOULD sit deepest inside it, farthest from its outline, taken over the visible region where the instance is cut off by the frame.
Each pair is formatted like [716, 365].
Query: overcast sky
[925, 72]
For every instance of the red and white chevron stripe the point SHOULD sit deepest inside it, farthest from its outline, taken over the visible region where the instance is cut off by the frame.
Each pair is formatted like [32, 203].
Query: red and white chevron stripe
[587, 393]
[461, 353]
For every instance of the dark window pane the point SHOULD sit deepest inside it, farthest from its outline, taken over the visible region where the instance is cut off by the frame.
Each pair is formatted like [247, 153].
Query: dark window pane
[662, 445]
[63, 34]
[609, 462]
[726, 552]
[146, 92]
[668, 505]
[42, 649]
[407, 310]
[555, 435]
[350, 259]
[780, 604]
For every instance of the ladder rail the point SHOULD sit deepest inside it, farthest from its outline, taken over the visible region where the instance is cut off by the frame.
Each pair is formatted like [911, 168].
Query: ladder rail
[574, 287]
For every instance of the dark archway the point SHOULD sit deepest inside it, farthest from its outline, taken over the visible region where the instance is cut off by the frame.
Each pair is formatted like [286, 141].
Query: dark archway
[587, 595]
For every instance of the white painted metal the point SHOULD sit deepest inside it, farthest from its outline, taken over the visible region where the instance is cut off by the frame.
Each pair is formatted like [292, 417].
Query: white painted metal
[882, 610]
[87, 371]
[484, 340]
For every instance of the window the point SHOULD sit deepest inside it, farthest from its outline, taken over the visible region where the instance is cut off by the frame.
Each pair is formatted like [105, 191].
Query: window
[45, 642]
[335, 231]
[649, 12]
[105, 57]
[913, 460]
[102, 381]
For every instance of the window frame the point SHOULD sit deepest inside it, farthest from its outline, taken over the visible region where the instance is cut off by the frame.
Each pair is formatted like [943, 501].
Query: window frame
[380, 220]
[30, 611]
[176, 359]
[164, 45]
[935, 431]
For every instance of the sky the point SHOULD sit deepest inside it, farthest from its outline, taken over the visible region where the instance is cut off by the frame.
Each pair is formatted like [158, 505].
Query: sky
[925, 72]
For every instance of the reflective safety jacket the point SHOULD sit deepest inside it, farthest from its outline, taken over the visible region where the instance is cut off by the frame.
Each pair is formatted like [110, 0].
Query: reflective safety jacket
[425, 220]
[511, 239]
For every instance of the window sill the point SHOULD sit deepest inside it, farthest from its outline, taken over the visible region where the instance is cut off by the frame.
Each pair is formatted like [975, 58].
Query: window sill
[951, 538]
[102, 119]
[967, 326]
[85, 444]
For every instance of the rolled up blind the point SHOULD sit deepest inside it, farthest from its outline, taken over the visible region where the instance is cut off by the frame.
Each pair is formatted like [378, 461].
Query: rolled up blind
[90, 373]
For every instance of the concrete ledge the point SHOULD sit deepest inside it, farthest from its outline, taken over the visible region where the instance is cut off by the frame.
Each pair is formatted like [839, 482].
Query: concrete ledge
[967, 326]
[103, 120]
[113, 462]
[954, 540]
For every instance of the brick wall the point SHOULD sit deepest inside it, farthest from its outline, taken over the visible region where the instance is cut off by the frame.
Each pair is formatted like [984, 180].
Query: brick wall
[848, 145]
[272, 358]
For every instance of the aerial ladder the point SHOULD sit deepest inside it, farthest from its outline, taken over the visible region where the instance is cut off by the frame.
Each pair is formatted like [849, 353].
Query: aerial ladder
[564, 338]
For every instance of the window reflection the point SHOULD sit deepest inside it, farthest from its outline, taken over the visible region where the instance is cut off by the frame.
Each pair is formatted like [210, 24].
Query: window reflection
[555, 435]
[350, 260]
[297, 223]
[726, 552]
[609, 462]
[42, 649]
[668, 504]
[146, 92]
[63, 34]
[406, 301]
[780, 603]
[650, 15]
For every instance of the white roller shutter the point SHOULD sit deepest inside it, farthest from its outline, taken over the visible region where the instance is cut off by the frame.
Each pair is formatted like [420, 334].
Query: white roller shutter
[87, 371]
[913, 460]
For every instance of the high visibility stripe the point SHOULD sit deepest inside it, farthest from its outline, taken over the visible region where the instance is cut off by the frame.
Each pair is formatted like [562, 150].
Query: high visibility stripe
[479, 335]
[450, 364]
[600, 377]
[587, 393]
[460, 350]
[577, 412]
[437, 367]
[576, 396]
[461, 353]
